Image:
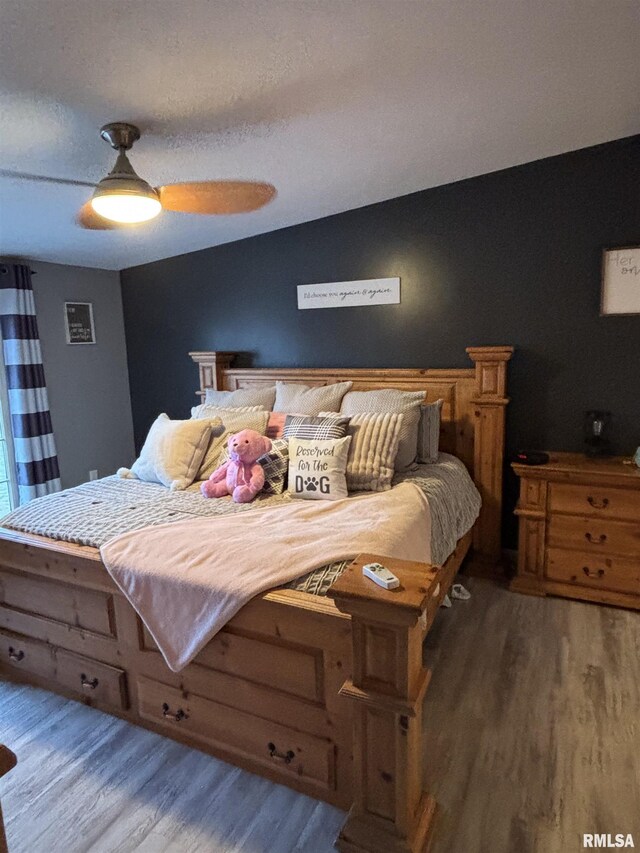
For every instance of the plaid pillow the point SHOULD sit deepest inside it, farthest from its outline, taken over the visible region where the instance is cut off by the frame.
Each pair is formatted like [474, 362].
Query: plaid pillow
[315, 427]
[275, 464]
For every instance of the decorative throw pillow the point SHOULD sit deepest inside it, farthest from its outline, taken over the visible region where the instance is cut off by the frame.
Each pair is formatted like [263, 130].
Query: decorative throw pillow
[275, 427]
[374, 446]
[317, 469]
[391, 400]
[296, 399]
[311, 427]
[231, 420]
[208, 410]
[255, 395]
[173, 452]
[275, 464]
[429, 431]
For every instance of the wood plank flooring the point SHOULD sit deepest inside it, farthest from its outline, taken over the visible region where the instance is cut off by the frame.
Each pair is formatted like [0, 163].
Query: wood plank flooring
[532, 738]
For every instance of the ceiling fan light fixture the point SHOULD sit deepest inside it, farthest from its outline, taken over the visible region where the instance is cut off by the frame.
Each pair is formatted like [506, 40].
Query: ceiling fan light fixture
[125, 197]
[126, 207]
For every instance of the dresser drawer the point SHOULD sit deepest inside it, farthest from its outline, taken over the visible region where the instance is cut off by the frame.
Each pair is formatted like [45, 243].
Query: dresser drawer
[598, 501]
[286, 751]
[23, 654]
[97, 681]
[593, 570]
[70, 605]
[594, 535]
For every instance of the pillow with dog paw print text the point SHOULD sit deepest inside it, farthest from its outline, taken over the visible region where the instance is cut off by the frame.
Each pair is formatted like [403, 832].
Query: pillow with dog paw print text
[317, 468]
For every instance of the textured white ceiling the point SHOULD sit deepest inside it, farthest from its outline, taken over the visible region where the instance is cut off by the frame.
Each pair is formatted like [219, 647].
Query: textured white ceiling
[339, 103]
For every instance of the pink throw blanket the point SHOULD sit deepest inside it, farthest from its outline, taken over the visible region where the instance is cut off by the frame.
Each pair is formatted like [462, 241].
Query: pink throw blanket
[188, 579]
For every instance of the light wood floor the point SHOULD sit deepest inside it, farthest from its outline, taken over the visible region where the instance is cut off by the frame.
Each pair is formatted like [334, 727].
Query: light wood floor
[532, 738]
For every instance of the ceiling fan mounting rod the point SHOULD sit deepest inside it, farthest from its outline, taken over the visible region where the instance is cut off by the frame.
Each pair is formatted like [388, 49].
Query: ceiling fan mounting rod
[120, 135]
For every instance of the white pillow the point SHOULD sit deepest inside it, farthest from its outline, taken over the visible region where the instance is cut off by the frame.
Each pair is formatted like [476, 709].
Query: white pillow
[296, 399]
[317, 468]
[257, 395]
[208, 410]
[232, 420]
[172, 452]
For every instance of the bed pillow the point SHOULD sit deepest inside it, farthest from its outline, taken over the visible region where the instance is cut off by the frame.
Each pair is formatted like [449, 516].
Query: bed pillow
[275, 464]
[322, 427]
[429, 431]
[258, 395]
[173, 452]
[317, 468]
[391, 400]
[374, 446]
[232, 420]
[296, 399]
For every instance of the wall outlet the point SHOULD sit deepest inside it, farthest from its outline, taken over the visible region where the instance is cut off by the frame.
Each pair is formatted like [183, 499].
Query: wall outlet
[93, 475]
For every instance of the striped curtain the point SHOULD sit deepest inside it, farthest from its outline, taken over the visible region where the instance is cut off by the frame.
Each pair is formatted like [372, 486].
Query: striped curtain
[34, 444]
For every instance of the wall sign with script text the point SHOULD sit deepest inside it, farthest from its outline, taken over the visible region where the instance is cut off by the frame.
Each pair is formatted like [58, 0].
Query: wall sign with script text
[78, 318]
[343, 294]
[621, 281]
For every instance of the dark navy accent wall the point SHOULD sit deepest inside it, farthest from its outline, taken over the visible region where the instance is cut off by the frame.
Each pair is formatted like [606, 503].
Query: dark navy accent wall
[512, 257]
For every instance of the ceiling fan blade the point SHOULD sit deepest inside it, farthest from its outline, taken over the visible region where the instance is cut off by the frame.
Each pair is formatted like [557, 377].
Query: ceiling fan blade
[221, 197]
[43, 179]
[89, 219]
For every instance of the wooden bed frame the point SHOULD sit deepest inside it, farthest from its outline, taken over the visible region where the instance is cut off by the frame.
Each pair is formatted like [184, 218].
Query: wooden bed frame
[322, 694]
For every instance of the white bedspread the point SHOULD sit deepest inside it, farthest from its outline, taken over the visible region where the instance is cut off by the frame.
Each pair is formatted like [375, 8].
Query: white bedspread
[187, 579]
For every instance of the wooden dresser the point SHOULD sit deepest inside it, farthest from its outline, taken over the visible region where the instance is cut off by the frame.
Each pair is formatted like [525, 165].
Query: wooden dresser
[579, 529]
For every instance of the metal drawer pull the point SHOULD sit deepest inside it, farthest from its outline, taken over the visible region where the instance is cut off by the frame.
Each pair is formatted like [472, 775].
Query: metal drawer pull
[599, 540]
[596, 504]
[179, 715]
[287, 757]
[14, 655]
[595, 573]
[88, 683]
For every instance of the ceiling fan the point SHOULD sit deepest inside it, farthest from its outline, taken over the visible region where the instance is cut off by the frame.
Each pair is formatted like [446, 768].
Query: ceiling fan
[124, 198]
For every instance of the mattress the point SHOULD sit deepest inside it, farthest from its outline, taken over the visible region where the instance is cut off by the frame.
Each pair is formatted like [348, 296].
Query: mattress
[95, 512]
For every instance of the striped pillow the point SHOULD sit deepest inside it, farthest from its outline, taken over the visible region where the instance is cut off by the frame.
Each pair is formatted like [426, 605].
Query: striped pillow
[375, 438]
[391, 400]
[315, 427]
[256, 395]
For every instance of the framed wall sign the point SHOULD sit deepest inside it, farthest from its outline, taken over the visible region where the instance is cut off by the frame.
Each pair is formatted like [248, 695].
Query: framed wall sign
[620, 281]
[344, 294]
[78, 318]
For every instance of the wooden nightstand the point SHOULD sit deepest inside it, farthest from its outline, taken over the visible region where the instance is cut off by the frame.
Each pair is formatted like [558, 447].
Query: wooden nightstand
[580, 529]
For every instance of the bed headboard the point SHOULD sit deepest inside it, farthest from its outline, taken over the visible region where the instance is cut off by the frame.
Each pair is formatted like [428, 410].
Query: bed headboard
[472, 423]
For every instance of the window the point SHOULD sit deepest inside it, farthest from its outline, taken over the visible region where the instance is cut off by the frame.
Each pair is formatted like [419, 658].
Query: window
[8, 485]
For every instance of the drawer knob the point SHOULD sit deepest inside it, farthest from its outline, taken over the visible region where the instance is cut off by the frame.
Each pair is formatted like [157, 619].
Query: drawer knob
[596, 504]
[596, 540]
[593, 573]
[179, 714]
[88, 683]
[14, 655]
[287, 757]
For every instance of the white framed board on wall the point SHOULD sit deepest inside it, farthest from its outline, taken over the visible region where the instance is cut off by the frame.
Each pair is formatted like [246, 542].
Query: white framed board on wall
[620, 281]
[78, 321]
[347, 294]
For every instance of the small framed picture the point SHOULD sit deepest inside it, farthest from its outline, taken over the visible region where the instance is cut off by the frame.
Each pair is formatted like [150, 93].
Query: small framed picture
[78, 317]
[620, 281]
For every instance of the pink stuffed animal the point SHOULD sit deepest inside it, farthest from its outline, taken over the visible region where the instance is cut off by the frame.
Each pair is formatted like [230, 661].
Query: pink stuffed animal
[242, 476]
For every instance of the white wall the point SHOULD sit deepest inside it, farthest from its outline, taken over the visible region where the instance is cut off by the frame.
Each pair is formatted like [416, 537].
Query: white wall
[88, 385]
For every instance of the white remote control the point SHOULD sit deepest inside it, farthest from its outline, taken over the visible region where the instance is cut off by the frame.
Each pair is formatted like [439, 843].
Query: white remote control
[381, 575]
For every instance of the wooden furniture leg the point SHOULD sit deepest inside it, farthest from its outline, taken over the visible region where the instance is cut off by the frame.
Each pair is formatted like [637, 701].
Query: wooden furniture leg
[390, 813]
[7, 761]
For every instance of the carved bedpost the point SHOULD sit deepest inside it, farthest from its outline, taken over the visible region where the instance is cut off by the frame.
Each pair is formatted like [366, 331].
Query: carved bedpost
[490, 402]
[390, 813]
[212, 366]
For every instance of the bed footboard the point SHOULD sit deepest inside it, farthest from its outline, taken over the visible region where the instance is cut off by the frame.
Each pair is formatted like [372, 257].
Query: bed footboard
[390, 812]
